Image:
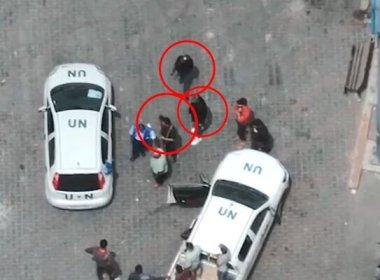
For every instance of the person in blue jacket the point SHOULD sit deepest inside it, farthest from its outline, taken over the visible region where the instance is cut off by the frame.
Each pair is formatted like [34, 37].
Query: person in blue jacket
[147, 134]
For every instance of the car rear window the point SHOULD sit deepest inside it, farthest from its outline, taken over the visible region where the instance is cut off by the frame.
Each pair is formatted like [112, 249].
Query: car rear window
[78, 182]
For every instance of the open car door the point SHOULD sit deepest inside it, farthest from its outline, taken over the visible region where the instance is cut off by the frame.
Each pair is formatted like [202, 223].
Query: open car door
[188, 194]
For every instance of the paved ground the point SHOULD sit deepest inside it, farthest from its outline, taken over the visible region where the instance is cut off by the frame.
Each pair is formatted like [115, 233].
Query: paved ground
[288, 57]
[363, 228]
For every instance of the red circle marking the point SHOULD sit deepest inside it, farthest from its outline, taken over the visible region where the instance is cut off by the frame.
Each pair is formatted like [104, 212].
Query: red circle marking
[138, 116]
[224, 122]
[181, 42]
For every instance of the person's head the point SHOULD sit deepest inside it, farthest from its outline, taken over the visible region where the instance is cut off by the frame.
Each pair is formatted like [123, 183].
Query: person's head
[103, 244]
[162, 118]
[179, 268]
[156, 155]
[189, 246]
[256, 123]
[242, 102]
[165, 120]
[141, 127]
[223, 248]
[185, 58]
[139, 269]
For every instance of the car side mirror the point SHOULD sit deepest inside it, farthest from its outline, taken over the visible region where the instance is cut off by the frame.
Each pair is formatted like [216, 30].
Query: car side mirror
[43, 109]
[204, 179]
[185, 235]
[112, 108]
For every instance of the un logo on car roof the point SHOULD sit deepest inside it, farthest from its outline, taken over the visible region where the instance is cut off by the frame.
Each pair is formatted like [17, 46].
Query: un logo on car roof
[74, 73]
[252, 168]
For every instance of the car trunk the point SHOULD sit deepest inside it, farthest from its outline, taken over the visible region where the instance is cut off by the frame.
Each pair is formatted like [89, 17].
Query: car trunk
[78, 182]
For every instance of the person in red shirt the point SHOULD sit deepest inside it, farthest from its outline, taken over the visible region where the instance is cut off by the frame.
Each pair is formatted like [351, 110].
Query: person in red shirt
[105, 261]
[244, 116]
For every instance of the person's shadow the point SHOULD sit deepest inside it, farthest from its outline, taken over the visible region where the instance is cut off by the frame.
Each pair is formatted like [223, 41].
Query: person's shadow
[187, 80]
[208, 120]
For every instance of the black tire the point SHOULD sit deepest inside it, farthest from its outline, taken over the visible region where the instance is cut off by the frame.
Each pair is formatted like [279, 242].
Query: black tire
[279, 210]
[280, 207]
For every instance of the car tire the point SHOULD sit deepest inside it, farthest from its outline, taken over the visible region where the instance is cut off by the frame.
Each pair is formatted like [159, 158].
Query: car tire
[280, 207]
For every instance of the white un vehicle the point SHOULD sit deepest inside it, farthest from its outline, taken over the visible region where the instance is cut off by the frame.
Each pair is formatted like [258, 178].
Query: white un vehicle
[78, 125]
[246, 196]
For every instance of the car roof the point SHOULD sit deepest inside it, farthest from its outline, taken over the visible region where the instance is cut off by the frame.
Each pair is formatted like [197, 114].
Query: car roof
[78, 141]
[76, 73]
[251, 168]
[222, 221]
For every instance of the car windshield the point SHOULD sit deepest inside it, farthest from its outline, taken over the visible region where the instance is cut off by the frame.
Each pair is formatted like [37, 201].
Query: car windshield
[240, 193]
[77, 96]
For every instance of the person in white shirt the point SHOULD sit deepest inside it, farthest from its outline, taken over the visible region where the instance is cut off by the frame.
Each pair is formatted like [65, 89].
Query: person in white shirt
[191, 258]
[222, 261]
[159, 166]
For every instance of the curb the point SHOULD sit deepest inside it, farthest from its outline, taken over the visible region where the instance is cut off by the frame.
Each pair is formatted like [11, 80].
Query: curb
[363, 148]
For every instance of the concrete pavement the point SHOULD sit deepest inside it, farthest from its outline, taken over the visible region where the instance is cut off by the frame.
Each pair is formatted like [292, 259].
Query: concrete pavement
[288, 58]
[364, 227]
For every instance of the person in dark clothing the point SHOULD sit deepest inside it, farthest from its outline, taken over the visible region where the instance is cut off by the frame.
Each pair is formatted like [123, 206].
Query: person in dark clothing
[105, 261]
[138, 274]
[184, 67]
[200, 107]
[261, 139]
[169, 135]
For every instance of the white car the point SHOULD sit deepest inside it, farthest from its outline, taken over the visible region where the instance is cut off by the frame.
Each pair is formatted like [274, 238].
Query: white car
[78, 123]
[246, 195]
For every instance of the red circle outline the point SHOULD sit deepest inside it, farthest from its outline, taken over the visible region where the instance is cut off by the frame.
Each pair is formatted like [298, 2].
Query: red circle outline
[181, 42]
[224, 122]
[140, 110]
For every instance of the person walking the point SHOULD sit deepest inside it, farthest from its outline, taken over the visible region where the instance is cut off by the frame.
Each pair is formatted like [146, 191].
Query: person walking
[244, 116]
[169, 136]
[200, 108]
[222, 261]
[159, 166]
[147, 134]
[261, 139]
[184, 67]
[138, 274]
[105, 261]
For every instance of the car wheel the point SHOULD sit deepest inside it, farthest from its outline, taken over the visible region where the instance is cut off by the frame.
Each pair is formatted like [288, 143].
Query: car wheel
[279, 211]
[280, 207]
